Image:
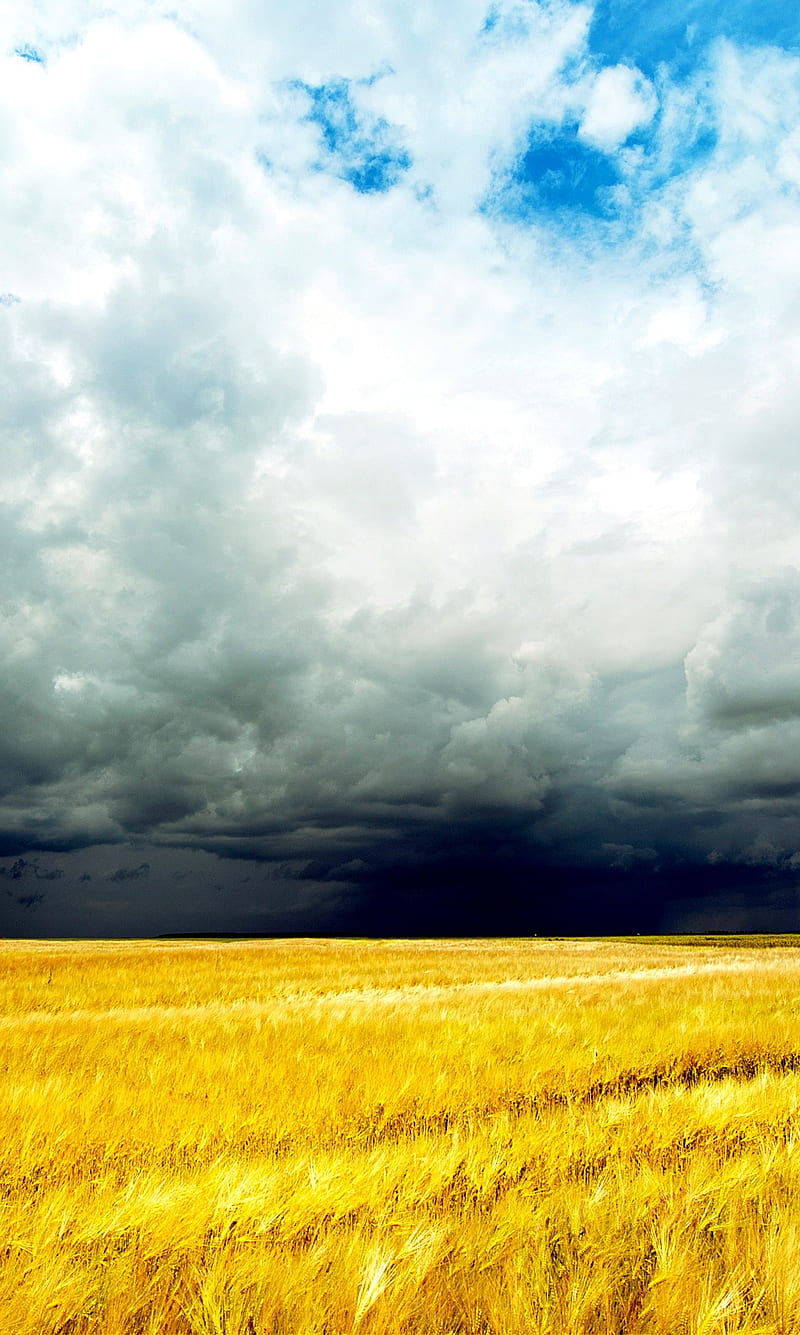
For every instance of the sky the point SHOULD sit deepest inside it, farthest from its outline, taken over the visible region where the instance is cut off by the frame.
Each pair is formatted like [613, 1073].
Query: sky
[399, 502]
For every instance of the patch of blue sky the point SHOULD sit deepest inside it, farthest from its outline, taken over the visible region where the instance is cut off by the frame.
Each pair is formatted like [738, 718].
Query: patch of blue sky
[564, 173]
[366, 151]
[561, 182]
[678, 35]
[30, 53]
[682, 135]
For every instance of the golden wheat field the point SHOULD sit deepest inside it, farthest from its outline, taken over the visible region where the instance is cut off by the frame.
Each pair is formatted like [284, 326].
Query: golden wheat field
[438, 1138]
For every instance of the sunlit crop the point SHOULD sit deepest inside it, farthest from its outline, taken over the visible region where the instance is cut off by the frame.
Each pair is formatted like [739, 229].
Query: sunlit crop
[444, 1138]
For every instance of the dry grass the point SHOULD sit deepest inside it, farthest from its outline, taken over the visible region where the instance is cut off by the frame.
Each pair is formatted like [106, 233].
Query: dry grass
[444, 1138]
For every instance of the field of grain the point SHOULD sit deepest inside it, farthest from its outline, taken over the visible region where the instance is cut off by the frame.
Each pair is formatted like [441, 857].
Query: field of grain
[437, 1138]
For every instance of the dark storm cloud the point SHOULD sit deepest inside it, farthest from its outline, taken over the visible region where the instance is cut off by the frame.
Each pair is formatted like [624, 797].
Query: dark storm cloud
[31, 867]
[130, 873]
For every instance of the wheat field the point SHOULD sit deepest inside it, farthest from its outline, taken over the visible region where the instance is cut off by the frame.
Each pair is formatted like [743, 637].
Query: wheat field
[430, 1137]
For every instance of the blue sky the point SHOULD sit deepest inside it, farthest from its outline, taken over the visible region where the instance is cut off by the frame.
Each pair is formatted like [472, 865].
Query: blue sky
[364, 150]
[399, 419]
[677, 37]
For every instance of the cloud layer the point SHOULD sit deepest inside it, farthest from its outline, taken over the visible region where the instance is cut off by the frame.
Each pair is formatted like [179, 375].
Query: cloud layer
[399, 502]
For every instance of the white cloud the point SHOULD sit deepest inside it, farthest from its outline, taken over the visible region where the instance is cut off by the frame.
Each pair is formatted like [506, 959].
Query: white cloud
[619, 100]
[682, 320]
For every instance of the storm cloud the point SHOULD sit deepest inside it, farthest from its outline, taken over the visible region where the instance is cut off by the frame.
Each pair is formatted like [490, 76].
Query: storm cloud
[399, 507]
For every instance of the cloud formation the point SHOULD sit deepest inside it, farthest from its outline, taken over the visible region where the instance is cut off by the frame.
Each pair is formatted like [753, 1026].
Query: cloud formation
[399, 505]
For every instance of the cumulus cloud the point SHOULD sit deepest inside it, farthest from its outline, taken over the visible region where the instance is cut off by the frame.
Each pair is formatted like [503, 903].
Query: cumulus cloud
[744, 670]
[399, 499]
[619, 100]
